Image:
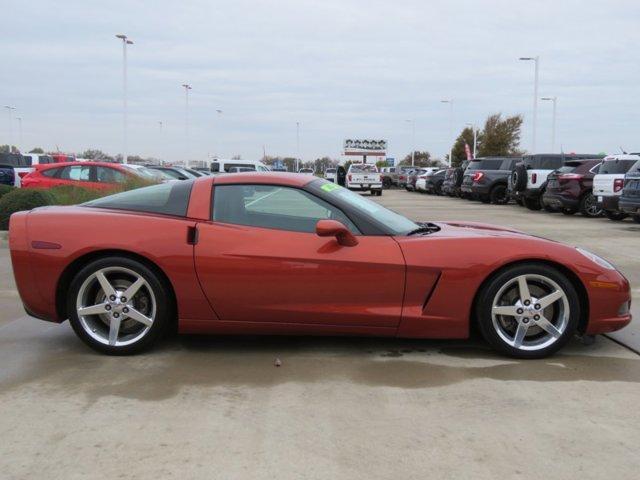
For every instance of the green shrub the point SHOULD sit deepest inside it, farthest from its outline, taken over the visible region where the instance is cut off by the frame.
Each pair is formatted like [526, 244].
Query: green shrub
[4, 189]
[72, 195]
[19, 200]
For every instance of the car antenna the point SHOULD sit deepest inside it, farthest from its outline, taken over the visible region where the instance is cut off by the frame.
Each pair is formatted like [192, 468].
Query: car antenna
[622, 150]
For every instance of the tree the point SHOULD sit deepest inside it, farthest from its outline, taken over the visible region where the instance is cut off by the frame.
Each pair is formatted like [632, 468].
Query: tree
[98, 155]
[500, 137]
[321, 164]
[37, 150]
[459, 154]
[5, 149]
[236, 157]
[421, 159]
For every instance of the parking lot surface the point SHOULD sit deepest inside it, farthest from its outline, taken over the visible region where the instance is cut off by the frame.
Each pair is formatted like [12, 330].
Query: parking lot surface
[217, 407]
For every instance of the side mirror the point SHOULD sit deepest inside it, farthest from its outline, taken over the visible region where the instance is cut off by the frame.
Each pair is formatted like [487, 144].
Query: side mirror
[333, 228]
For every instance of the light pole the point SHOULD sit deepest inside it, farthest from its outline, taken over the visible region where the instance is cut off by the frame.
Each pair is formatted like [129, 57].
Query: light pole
[125, 42]
[186, 87]
[413, 140]
[475, 137]
[19, 146]
[10, 110]
[297, 146]
[217, 154]
[536, 60]
[450, 102]
[553, 122]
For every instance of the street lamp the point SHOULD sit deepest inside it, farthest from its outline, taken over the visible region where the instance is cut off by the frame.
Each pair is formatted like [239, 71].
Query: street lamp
[553, 124]
[297, 146]
[413, 140]
[475, 137]
[216, 145]
[450, 102]
[125, 42]
[186, 87]
[19, 119]
[536, 60]
[10, 110]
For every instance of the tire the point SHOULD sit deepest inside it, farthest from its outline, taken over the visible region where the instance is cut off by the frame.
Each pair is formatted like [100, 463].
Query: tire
[589, 206]
[519, 178]
[151, 303]
[568, 211]
[636, 218]
[458, 176]
[438, 189]
[532, 203]
[386, 183]
[520, 202]
[615, 216]
[524, 331]
[499, 195]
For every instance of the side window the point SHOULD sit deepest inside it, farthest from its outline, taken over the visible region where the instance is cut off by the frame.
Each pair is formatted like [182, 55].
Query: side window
[76, 172]
[51, 172]
[215, 167]
[109, 175]
[272, 206]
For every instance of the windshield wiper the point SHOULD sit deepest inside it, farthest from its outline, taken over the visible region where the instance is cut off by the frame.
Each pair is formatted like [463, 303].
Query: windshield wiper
[425, 228]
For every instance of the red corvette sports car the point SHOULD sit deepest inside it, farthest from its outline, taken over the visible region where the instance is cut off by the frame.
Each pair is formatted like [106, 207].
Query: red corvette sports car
[271, 253]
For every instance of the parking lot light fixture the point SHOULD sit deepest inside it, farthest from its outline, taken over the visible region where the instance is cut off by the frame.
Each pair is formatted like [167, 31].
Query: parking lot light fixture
[413, 141]
[125, 41]
[186, 87]
[10, 110]
[553, 121]
[536, 60]
[450, 102]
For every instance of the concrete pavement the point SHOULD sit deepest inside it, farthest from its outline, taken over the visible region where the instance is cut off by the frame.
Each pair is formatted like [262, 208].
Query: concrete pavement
[356, 408]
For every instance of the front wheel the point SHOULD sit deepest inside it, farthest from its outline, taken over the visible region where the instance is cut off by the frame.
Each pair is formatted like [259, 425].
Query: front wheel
[528, 311]
[499, 195]
[615, 216]
[589, 206]
[119, 306]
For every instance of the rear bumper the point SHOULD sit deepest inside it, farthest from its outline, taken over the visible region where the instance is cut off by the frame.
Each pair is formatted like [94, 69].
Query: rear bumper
[532, 193]
[630, 205]
[610, 203]
[361, 188]
[558, 200]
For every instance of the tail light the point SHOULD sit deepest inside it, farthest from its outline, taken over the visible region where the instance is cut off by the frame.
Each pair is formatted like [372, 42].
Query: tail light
[478, 176]
[534, 178]
[22, 174]
[349, 177]
[618, 184]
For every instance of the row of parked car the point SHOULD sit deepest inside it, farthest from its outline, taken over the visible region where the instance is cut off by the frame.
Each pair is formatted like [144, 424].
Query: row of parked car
[591, 184]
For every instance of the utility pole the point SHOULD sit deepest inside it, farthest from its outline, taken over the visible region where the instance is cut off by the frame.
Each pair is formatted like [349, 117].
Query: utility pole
[10, 110]
[450, 102]
[413, 141]
[536, 60]
[125, 42]
[297, 146]
[553, 121]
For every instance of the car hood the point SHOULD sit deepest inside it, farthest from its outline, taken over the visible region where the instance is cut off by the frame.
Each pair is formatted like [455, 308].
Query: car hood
[476, 229]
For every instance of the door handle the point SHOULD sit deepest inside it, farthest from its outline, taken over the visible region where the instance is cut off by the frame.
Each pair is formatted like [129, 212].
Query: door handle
[192, 235]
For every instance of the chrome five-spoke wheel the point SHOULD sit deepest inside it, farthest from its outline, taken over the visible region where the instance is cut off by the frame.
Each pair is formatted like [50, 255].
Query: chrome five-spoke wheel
[118, 305]
[528, 310]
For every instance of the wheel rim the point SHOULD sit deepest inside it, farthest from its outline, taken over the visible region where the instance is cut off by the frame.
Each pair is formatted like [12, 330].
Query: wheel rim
[116, 306]
[591, 206]
[530, 312]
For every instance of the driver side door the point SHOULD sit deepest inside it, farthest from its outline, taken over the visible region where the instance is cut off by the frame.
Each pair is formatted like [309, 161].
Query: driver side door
[259, 260]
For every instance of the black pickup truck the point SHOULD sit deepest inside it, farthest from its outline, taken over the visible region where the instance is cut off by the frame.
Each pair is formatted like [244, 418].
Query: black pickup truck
[485, 179]
[7, 175]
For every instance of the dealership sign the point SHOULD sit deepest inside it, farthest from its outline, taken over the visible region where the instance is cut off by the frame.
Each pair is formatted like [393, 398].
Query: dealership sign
[351, 144]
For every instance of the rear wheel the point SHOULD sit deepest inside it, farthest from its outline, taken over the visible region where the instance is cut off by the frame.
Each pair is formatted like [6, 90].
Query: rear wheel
[498, 195]
[528, 311]
[386, 183]
[615, 216]
[119, 306]
[589, 206]
[532, 203]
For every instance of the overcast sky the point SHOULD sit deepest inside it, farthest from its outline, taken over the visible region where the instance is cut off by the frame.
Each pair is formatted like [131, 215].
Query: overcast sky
[342, 68]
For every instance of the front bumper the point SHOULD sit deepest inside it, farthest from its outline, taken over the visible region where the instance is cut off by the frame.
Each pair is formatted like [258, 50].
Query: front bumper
[609, 302]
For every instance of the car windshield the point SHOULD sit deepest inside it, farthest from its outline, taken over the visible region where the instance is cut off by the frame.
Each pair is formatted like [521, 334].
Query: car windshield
[144, 172]
[485, 164]
[398, 224]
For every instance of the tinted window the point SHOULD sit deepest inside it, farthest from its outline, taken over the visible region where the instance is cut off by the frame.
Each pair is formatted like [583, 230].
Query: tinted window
[273, 206]
[361, 168]
[544, 162]
[45, 159]
[215, 167]
[51, 172]
[508, 164]
[167, 198]
[616, 166]
[12, 159]
[229, 166]
[76, 172]
[109, 175]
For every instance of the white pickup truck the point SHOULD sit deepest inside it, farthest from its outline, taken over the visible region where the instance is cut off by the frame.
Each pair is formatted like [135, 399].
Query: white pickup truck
[363, 177]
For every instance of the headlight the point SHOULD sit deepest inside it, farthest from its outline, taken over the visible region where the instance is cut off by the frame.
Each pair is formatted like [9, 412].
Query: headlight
[596, 259]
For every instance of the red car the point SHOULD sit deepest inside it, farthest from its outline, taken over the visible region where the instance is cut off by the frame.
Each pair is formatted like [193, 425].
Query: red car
[90, 175]
[293, 254]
